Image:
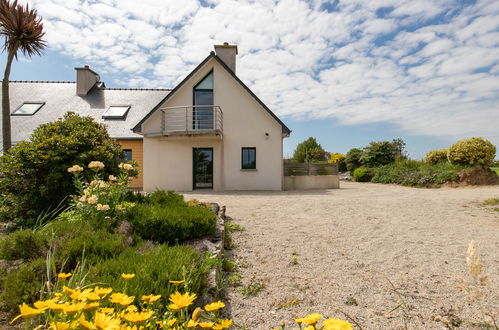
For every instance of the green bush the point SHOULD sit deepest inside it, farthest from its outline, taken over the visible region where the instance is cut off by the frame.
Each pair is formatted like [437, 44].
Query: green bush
[153, 269]
[33, 174]
[352, 159]
[474, 151]
[309, 151]
[382, 153]
[417, 173]
[23, 285]
[23, 244]
[167, 223]
[161, 197]
[436, 156]
[363, 174]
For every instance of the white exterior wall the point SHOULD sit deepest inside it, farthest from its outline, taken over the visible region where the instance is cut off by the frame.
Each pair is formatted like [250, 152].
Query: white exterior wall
[168, 160]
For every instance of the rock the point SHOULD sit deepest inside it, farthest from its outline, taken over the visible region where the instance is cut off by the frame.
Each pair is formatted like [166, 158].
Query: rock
[125, 228]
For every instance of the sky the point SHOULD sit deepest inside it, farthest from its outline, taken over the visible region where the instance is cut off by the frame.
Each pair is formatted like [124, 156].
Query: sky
[345, 72]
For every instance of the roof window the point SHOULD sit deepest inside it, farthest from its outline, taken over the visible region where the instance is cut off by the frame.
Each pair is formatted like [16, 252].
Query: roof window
[28, 109]
[116, 112]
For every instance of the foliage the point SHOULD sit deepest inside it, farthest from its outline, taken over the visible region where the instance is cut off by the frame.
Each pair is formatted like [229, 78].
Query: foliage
[417, 173]
[363, 174]
[23, 244]
[309, 151]
[491, 201]
[96, 307]
[170, 223]
[24, 284]
[436, 156]
[33, 174]
[23, 31]
[382, 153]
[340, 160]
[474, 151]
[352, 159]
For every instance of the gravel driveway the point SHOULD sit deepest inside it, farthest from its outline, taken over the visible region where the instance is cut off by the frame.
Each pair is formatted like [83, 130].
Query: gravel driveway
[336, 252]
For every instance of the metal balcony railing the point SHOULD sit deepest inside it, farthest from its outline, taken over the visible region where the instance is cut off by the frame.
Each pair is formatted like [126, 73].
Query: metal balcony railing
[192, 119]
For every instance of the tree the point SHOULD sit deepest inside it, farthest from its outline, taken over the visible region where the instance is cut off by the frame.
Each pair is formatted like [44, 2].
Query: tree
[23, 31]
[33, 174]
[352, 159]
[382, 153]
[309, 151]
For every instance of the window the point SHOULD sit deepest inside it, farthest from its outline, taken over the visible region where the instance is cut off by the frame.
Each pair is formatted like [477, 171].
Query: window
[248, 159]
[128, 154]
[28, 109]
[203, 95]
[116, 112]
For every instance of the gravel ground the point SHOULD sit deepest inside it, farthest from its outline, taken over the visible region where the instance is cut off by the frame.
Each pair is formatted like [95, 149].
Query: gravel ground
[351, 244]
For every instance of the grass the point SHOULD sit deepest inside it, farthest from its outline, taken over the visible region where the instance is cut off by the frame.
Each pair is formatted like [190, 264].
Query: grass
[492, 201]
[294, 261]
[289, 303]
[495, 169]
[252, 289]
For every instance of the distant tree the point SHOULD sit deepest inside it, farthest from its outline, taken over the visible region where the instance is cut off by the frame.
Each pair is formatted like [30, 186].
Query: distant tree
[23, 31]
[352, 159]
[309, 151]
[382, 153]
[338, 159]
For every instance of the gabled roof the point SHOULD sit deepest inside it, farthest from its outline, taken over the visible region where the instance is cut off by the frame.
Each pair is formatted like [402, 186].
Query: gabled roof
[138, 127]
[60, 97]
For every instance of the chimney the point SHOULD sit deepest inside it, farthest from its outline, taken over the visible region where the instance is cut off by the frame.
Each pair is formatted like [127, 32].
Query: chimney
[86, 78]
[227, 54]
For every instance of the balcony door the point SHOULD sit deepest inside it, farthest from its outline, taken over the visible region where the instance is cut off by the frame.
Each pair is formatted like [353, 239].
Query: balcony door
[202, 117]
[202, 166]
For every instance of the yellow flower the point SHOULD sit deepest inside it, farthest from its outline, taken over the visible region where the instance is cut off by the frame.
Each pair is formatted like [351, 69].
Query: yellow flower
[224, 324]
[136, 317]
[336, 324]
[171, 322]
[91, 306]
[56, 307]
[103, 321]
[312, 319]
[121, 299]
[68, 290]
[192, 323]
[106, 310]
[63, 276]
[299, 321]
[125, 166]
[177, 282]
[309, 327]
[127, 276]
[27, 312]
[102, 292]
[41, 304]
[180, 301]
[151, 298]
[86, 324]
[96, 164]
[197, 312]
[59, 326]
[71, 309]
[112, 178]
[101, 207]
[205, 324]
[214, 306]
[92, 199]
[75, 168]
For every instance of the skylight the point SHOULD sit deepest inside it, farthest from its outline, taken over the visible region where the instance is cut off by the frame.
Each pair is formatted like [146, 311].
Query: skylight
[116, 112]
[28, 109]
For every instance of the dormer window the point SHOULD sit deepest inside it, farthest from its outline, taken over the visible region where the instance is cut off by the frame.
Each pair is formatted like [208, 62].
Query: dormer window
[28, 109]
[116, 112]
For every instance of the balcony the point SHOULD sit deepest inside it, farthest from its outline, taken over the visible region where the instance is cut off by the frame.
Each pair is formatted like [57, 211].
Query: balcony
[192, 120]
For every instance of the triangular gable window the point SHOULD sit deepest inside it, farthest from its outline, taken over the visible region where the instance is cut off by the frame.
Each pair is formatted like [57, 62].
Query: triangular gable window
[206, 83]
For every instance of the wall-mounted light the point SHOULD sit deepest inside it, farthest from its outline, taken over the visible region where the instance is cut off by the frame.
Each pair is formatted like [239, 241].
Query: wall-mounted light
[267, 135]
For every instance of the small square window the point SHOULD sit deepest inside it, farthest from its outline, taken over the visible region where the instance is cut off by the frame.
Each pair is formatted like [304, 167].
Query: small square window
[28, 109]
[116, 112]
[128, 154]
[248, 159]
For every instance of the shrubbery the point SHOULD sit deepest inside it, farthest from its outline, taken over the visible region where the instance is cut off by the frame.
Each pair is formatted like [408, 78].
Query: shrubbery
[338, 159]
[474, 151]
[382, 153]
[363, 174]
[309, 151]
[436, 156]
[33, 175]
[23, 244]
[352, 159]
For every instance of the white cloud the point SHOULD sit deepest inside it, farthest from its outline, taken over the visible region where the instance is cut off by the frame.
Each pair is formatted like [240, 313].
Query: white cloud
[429, 67]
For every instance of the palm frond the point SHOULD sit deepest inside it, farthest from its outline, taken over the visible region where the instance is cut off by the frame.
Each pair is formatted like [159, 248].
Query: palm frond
[22, 29]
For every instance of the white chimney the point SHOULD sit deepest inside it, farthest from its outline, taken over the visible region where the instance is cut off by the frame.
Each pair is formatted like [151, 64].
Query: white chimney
[86, 78]
[227, 53]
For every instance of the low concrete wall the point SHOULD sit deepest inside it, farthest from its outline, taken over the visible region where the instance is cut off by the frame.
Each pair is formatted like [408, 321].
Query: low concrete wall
[311, 182]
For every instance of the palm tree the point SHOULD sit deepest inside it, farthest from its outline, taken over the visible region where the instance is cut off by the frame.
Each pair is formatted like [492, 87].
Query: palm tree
[23, 30]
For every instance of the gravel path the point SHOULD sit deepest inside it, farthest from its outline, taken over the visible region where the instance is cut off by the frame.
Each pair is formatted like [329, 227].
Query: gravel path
[350, 243]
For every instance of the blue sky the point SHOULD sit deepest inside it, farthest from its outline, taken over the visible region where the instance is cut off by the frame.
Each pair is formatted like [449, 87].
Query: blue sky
[345, 72]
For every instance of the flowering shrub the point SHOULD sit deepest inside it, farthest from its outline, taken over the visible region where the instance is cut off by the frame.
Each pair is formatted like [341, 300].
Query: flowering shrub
[436, 156]
[101, 197]
[99, 307]
[338, 159]
[474, 151]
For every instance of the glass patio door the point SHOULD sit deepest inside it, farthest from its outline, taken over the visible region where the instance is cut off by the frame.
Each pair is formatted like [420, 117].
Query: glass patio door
[202, 165]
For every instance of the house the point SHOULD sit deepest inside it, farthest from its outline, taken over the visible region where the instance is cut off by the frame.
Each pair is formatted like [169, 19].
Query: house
[209, 132]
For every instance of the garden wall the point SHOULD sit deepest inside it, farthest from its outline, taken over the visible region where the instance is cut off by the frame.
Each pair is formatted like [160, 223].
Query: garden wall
[304, 176]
